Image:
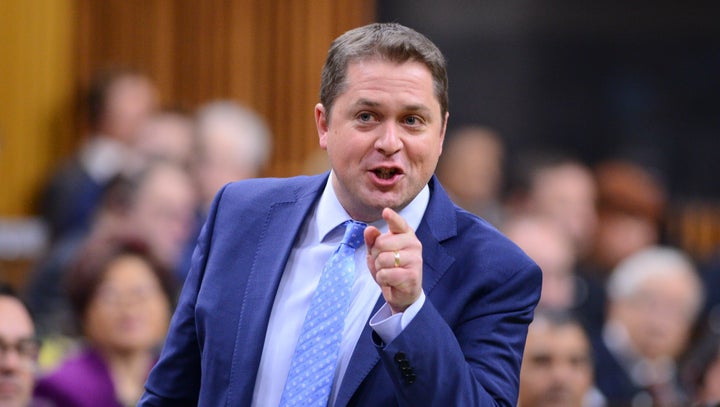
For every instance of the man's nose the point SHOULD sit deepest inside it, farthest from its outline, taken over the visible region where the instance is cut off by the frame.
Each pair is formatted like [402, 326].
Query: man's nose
[389, 141]
[563, 372]
[10, 359]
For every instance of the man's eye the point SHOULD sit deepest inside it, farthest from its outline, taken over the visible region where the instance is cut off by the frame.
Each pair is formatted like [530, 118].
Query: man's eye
[541, 360]
[365, 117]
[412, 120]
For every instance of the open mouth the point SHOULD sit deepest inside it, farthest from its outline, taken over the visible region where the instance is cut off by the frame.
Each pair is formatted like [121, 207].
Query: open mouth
[386, 173]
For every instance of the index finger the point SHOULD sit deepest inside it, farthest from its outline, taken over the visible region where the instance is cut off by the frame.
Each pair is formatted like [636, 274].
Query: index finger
[396, 223]
[370, 234]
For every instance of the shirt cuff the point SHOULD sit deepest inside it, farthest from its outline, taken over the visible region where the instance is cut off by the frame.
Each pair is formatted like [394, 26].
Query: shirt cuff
[389, 326]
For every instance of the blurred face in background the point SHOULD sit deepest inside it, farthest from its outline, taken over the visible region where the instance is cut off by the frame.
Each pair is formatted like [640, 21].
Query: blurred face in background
[471, 167]
[221, 160]
[167, 136]
[556, 369]
[550, 247]
[659, 315]
[129, 310]
[164, 210]
[18, 354]
[567, 193]
[130, 100]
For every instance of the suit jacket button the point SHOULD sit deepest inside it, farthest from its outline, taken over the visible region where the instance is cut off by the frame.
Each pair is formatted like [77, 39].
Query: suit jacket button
[410, 378]
[399, 357]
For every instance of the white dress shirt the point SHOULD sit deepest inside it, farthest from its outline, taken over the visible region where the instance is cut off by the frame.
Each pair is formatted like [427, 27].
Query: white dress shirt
[319, 237]
[103, 158]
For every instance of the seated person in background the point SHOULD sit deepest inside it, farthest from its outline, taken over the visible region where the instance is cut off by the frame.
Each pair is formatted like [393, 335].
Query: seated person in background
[552, 249]
[118, 101]
[156, 204]
[654, 297]
[557, 368]
[161, 210]
[234, 143]
[631, 211]
[558, 186]
[563, 289]
[123, 299]
[18, 350]
[471, 169]
[168, 134]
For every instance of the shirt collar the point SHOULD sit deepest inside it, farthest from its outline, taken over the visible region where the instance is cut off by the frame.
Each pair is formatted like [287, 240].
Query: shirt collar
[330, 213]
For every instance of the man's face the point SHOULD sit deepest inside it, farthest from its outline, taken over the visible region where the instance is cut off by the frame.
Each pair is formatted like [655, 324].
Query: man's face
[18, 354]
[474, 168]
[567, 193]
[222, 158]
[130, 101]
[163, 212]
[383, 137]
[659, 316]
[556, 369]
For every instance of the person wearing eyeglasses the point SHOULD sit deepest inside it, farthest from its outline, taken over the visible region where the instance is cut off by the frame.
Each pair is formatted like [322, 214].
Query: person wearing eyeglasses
[18, 350]
[122, 297]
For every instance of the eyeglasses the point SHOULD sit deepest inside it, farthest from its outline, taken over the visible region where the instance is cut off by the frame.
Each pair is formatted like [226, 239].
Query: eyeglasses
[26, 349]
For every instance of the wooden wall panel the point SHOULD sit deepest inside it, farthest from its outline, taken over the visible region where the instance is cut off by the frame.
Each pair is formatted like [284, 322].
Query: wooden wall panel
[266, 54]
[35, 96]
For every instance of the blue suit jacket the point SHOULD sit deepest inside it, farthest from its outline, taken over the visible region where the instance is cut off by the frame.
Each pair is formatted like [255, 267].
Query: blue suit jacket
[463, 348]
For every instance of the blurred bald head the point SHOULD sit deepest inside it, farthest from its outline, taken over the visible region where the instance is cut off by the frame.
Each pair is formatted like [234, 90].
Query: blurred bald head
[235, 144]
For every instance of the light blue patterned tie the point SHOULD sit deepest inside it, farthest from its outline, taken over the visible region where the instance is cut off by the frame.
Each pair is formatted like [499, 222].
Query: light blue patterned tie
[313, 365]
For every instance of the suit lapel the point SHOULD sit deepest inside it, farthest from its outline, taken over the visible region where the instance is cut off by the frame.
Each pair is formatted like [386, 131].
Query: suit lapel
[363, 360]
[284, 218]
[438, 224]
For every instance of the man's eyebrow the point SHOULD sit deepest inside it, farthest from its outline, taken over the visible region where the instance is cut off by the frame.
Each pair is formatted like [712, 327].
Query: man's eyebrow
[417, 108]
[362, 102]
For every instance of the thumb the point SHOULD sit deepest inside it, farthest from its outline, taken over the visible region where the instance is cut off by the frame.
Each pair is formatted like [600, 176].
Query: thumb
[396, 223]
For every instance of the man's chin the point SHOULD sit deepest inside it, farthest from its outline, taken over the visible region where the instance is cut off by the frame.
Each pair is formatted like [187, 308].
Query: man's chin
[560, 399]
[376, 201]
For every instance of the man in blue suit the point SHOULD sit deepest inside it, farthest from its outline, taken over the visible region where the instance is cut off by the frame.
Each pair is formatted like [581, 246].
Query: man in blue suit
[441, 301]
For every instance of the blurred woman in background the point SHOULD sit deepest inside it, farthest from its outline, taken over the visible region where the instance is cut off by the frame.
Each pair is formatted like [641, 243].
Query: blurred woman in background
[123, 299]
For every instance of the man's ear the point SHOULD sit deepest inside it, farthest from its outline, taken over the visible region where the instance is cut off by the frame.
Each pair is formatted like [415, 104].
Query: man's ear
[321, 122]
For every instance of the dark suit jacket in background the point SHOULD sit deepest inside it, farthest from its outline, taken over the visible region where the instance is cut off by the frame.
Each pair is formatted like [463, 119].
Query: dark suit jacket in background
[464, 347]
[69, 199]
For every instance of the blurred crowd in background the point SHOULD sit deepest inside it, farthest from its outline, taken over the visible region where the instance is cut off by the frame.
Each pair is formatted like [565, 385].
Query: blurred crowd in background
[626, 318]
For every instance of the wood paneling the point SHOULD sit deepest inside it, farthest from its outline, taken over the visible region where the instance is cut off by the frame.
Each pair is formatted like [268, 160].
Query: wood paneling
[265, 54]
[36, 80]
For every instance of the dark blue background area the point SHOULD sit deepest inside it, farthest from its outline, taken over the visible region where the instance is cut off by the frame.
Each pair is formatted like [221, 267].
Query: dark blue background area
[598, 80]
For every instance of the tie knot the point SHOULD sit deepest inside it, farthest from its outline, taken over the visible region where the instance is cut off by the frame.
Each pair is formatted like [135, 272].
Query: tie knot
[354, 233]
